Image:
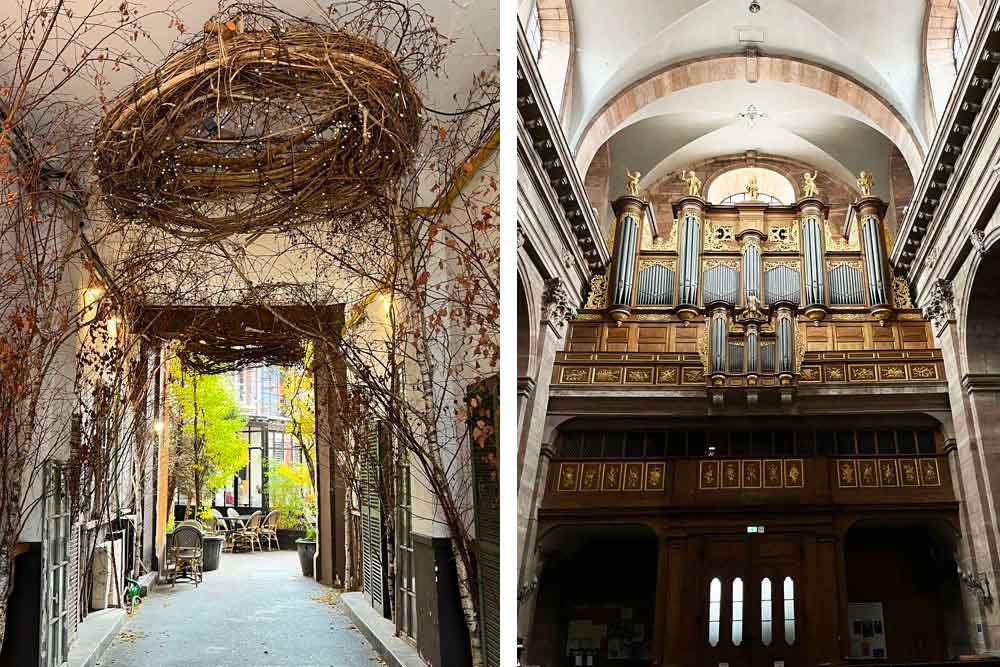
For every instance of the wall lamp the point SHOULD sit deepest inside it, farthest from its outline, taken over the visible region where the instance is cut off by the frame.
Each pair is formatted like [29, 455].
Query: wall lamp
[978, 584]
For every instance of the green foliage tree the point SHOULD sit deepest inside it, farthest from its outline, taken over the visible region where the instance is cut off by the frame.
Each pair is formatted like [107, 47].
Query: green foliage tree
[298, 404]
[209, 446]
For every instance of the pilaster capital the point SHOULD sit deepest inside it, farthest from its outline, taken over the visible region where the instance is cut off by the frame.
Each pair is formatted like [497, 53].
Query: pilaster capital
[557, 307]
[938, 305]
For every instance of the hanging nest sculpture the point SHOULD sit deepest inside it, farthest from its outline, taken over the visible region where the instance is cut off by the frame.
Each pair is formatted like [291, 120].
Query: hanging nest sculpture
[265, 121]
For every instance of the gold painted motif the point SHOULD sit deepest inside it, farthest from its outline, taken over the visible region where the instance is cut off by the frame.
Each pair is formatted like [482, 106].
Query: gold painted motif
[929, 473]
[810, 374]
[908, 474]
[693, 376]
[589, 317]
[666, 375]
[575, 375]
[639, 376]
[668, 262]
[612, 477]
[794, 474]
[772, 474]
[847, 474]
[713, 262]
[569, 475]
[730, 474]
[861, 373]
[834, 373]
[923, 371]
[708, 477]
[590, 477]
[792, 264]
[888, 472]
[633, 476]
[607, 375]
[892, 372]
[653, 317]
[654, 476]
[751, 474]
[867, 472]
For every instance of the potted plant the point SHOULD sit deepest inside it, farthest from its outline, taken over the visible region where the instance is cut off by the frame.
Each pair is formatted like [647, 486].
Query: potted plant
[307, 551]
[212, 543]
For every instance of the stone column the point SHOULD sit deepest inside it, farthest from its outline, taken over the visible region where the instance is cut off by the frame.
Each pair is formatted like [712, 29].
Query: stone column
[531, 565]
[870, 212]
[689, 211]
[812, 212]
[630, 210]
[970, 471]
[556, 310]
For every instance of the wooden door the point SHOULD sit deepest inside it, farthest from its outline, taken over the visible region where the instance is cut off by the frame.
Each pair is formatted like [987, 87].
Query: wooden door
[751, 600]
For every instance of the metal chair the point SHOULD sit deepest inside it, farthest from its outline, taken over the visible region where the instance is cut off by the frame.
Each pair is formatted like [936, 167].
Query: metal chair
[269, 529]
[250, 534]
[187, 551]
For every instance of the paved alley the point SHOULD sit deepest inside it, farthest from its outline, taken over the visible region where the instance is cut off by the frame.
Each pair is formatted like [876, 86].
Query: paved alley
[256, 610]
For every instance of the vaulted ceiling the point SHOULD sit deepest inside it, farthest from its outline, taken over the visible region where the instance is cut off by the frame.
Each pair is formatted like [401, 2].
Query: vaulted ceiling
[840, 86]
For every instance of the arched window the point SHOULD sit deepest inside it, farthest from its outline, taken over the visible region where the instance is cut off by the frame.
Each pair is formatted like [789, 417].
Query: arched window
[789, 611]
[737, 630]
[737, 197]
[714, 611]
[766, 624]
[959, 42]
[534, 31]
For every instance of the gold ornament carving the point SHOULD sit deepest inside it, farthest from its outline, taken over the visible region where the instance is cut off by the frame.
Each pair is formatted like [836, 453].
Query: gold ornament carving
[837, 243]
[719, 237]
[632, 182]
[769, 264]
[715, 261]
[809, 188]
[901, 293]
[598, 298]
[853, 263]
[781, 238]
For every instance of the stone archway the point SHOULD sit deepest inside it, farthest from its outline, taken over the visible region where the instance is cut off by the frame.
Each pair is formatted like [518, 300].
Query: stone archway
[555, 61]
[679, 76]
[939, 63]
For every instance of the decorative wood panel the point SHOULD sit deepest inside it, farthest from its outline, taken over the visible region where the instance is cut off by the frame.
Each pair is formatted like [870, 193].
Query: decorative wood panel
[890, 473]
[751, 474]
[611, 476]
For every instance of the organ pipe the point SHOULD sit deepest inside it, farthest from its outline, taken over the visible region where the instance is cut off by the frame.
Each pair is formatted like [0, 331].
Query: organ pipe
[630, 210]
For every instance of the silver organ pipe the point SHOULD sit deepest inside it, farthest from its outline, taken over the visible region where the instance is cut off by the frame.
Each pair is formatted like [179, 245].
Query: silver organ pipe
[625, 251]
[656, 286]
[785, 341]
[846, 287]
[781, 283]
[722, 285]
[872, 234]
[719, 334]
[812, 252]
[690, 260]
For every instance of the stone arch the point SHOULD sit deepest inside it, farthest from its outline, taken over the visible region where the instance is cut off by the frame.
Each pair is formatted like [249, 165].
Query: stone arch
[527, 328]
[939, 63]
[981, 318]
[711, 69]
[555, 61]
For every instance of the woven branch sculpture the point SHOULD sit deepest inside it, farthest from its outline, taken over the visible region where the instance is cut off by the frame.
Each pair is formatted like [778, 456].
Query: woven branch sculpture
[266, 121]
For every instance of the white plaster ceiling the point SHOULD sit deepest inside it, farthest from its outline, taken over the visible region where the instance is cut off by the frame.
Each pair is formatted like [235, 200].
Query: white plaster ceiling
[877, 43]
[702, 122]
[473, 25]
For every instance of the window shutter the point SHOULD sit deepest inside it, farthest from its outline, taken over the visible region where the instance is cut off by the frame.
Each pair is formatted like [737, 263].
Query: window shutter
[372, 534]
[484, 426]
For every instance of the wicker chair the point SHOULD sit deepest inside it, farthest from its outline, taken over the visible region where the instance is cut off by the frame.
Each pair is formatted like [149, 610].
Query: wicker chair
[249, 535]
[186, 550]
[234, 518]
[269, 529]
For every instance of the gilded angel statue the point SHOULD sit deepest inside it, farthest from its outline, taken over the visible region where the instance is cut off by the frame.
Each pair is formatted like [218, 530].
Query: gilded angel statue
[693, 183]
[632, 182]
[809, 188]
[865, 183]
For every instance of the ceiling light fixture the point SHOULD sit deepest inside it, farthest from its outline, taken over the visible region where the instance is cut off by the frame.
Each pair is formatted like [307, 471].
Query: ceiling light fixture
[752, 115]
[754, 7]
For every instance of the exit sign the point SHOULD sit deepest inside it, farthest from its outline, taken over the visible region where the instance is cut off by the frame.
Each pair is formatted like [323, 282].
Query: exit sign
[755, 529]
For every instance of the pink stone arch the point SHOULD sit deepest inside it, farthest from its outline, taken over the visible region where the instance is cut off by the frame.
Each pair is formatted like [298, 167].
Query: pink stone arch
[712, 69]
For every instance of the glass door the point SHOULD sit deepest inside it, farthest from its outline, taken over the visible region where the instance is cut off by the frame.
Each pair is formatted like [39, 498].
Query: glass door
[56, 564]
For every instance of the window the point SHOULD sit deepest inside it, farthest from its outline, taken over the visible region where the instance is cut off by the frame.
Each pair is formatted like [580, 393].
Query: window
[714, 611]
[765, 611]
[738, 197]
[959, 43]
[407, 578]
[534, 31]
[737, 630]
[789, 611]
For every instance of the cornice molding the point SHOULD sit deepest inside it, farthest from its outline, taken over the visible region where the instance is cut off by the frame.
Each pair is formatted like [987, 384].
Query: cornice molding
[964, 123]
[545, 136]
